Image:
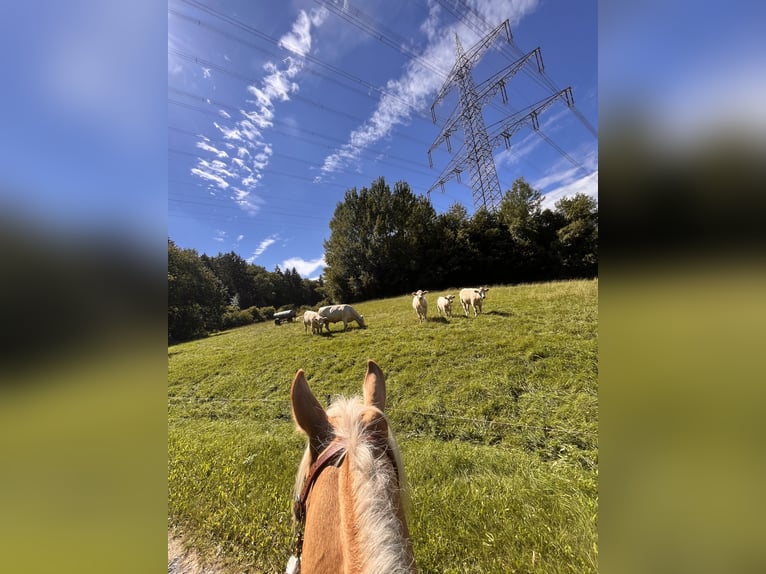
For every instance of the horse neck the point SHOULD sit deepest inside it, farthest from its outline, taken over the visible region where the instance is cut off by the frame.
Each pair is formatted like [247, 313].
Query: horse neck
[373, 491]
[365, 527]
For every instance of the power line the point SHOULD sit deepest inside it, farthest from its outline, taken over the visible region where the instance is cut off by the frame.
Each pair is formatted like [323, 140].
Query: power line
[370, 153]
[307, 57]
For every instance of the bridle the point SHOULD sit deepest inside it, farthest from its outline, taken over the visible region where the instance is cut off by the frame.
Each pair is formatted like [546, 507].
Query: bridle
[333, 454]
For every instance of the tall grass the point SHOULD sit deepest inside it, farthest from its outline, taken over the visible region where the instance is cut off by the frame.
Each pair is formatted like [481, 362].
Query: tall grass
[497, 418]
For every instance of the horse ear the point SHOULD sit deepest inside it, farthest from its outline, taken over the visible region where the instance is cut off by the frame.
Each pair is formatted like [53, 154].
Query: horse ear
[307, 412]
[374, 387]
[375, 396]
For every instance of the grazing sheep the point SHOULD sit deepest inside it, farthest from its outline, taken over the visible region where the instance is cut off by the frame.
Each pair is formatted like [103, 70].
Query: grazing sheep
[473, 298]
[444, 305]
[420, 304]
[345, 313]
[312, 319]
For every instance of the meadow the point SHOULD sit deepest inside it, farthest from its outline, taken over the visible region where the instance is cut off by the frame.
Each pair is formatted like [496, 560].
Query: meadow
[496, 417]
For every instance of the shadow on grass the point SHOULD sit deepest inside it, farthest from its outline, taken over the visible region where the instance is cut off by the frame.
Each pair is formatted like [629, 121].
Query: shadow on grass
[500, 313]
[442, 320]
[341, 331]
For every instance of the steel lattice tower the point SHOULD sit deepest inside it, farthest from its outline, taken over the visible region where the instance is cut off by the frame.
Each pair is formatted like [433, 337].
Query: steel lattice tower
[476, 155]
[485, 185]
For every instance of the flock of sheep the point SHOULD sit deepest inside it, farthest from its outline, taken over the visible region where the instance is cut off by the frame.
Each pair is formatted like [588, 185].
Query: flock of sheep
[469, 298]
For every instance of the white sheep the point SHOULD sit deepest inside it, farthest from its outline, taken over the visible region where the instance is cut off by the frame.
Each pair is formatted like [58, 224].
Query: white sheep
[473, 298]
[337, 313]
[420, 304]
[312, 319]
[444, 305]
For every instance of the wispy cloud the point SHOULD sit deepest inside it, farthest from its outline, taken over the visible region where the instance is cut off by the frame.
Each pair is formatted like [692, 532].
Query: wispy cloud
[212, 178]
[220, 235]
[207, 147]
[587, 185]
[298, 40]
[250, 204]
[263, 246]
[241, 175]
[530, 139]
[413, 91]
[563, 171]
[303, 267]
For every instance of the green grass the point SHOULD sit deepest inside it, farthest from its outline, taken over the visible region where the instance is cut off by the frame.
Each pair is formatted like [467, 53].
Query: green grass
[497, 419]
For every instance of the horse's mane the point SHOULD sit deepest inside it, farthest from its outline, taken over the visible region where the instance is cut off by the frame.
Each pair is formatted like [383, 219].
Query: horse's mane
[378, 524]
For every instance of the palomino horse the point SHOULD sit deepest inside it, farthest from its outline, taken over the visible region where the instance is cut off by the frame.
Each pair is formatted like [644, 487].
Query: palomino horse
[350, 492]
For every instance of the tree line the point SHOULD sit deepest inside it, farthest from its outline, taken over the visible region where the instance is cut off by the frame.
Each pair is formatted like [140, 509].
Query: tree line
[387, 242]
[384, 243]
[206, 293]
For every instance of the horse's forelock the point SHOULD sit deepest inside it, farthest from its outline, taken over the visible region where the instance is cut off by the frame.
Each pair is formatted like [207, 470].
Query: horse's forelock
[379, 530]
[345, 416]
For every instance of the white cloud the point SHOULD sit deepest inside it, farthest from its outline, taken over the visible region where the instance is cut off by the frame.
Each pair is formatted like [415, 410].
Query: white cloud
[240, 238]
[205, 72]
[587, 185]
[298, 40]
[263, 246]
[207, 147]
[276, 85]
[210, 177]
[413, 91]
[563, 172]
[220, 235]
[250, 204]
[228, 133]
[556, 177]
[303, 267]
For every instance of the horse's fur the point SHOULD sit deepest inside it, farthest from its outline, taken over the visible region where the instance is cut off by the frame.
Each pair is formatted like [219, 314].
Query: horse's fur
[355, 514]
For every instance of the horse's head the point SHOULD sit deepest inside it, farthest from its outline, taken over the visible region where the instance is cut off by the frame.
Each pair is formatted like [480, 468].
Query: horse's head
[350, 487]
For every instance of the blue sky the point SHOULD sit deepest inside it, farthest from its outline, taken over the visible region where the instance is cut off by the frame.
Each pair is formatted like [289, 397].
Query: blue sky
[275, 109]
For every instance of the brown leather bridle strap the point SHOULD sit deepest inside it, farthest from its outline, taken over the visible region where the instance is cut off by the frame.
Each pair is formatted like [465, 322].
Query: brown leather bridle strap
[332, 454]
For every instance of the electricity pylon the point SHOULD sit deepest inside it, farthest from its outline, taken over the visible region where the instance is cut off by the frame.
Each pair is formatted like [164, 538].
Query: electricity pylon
[476, 153]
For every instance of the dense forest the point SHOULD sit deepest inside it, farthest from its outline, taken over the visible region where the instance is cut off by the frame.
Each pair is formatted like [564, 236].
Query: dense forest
[384, 243]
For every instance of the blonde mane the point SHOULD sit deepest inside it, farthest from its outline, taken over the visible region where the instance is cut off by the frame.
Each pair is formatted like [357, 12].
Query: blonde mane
[375, 483]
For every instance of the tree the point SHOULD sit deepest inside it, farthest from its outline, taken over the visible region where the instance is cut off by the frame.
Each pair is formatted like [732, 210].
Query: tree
[454, 260]
[520, 213]
[380, 242]
[231, 269]
[578, 237]
[490, 247]
[264, 286]
[196, 297]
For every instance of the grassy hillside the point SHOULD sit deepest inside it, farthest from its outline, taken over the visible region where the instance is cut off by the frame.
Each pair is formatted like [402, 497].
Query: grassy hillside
[497, 419]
